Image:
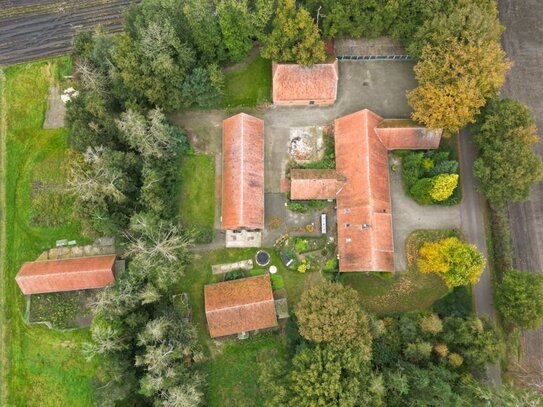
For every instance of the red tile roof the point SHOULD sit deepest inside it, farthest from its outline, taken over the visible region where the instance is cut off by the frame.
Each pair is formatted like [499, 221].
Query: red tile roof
[239, 306]
[315, 184]
[79, 273]
[364, 220]
[405, 134]
[363, 204]
[243, 173]
[294, 83]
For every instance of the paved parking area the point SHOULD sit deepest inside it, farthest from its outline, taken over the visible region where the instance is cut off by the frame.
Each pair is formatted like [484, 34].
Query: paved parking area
[407, 216]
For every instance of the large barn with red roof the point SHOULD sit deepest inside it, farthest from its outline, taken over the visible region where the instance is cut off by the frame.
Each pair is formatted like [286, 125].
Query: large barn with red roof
[71, 274]
[361, 181]
[243, 173]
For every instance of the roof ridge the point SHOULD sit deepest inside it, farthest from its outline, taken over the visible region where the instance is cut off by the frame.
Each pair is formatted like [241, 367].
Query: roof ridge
[241, 305]
[25, 276]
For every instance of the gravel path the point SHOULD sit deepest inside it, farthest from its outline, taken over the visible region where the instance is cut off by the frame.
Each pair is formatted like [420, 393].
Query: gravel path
[36, 29]
[523, 42]
[472, 219]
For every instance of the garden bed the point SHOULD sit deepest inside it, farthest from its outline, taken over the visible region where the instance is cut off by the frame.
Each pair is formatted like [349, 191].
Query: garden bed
[66, 310]
[432, 177]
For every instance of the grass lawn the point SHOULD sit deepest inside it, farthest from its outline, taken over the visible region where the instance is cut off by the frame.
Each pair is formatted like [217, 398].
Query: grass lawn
[199, 274]
[197, 187]
[249, 86]
[385, 293]
[40, 367]
[232, 367]
[233, 374]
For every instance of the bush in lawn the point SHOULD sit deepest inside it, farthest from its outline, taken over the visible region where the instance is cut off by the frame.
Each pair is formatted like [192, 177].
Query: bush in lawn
[520, 299]
[277, 282]
[234, 275]
[443, 186]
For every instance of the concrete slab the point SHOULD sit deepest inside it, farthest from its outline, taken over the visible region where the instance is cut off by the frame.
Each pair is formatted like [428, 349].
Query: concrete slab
[243, 238]
[56, 110]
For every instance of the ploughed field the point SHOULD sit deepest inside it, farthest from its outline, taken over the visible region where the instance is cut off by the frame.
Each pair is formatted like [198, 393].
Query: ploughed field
[33, 29]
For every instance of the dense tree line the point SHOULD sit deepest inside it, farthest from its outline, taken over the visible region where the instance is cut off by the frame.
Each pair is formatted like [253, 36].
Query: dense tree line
[346, 357]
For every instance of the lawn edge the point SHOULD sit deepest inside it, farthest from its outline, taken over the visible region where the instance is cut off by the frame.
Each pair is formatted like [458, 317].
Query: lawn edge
[3, 334]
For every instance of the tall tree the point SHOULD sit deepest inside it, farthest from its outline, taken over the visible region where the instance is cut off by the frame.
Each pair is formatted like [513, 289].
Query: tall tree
[354, 18]
[236, 27]
[295, 37]
[458, 263]
[330, 313]
[455, 79]
[507, 167]
[519, 299]
[204, 25]
[468, 21]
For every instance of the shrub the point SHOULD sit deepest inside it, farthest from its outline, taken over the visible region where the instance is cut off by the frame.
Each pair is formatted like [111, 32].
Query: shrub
[301, 245]
[421, 191]
[412, 169]
[443, 186]
[444, 167]
[302, 267]
[331, 265]
[277, 282]
[234, 275]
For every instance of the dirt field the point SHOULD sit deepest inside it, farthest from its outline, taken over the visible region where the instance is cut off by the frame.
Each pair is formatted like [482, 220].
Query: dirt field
[523, 42]
[33, 29]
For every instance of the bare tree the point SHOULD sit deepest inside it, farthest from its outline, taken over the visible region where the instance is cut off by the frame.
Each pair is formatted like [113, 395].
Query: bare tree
[91, 179]
[151, 136]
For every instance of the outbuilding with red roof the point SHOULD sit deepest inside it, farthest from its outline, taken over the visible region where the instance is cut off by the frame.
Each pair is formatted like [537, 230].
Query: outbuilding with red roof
[243, 173]
[80, 273]
[239, 306]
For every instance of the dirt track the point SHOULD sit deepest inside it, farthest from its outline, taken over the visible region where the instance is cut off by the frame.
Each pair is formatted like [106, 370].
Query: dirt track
[523, 42]
[33, 29]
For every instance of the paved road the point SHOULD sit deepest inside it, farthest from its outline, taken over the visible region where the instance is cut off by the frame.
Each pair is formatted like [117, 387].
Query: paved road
[523, 42]
[472, 221]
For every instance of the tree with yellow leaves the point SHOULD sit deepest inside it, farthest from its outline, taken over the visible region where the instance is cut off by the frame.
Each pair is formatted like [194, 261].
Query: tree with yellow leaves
[457, 262]
[443, 186]
[455, 80]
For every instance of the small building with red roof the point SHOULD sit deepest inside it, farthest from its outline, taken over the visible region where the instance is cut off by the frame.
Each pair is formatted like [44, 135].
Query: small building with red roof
[71, 274]
[295, 84]
[243, 173]
[240, 306]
